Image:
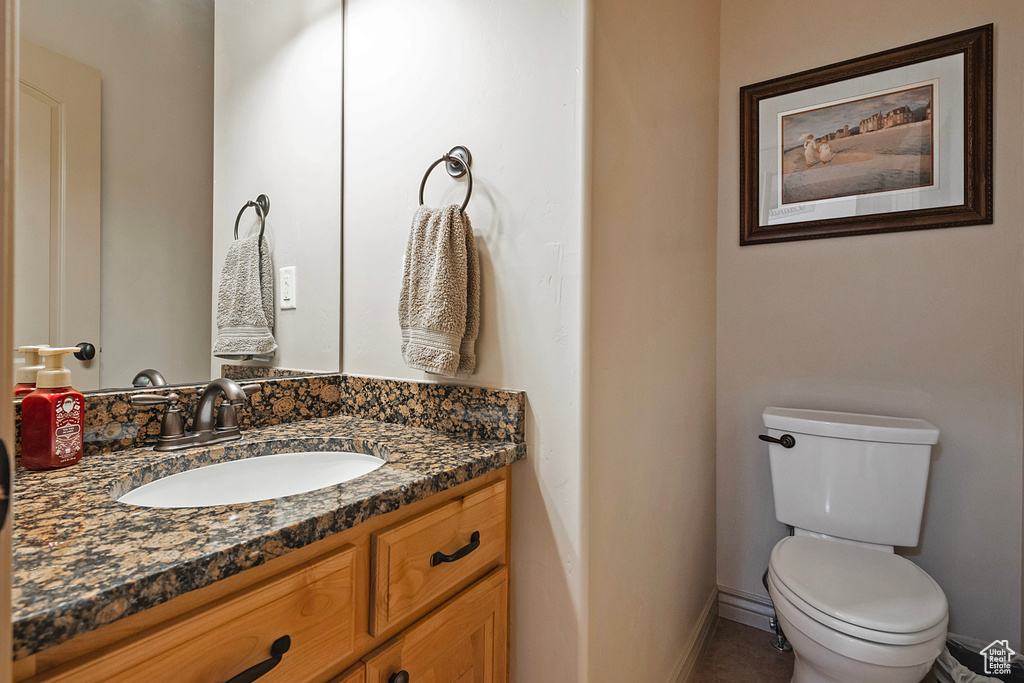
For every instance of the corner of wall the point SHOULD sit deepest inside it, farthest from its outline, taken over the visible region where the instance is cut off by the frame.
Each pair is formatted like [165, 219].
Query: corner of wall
[650, 336]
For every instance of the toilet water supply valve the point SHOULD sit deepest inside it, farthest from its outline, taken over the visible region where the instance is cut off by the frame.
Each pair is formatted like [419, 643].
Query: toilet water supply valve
[786, 440]
[779, 642]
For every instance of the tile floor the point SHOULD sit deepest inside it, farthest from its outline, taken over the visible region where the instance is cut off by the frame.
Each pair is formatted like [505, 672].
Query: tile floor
[738, 654]
[743, 654]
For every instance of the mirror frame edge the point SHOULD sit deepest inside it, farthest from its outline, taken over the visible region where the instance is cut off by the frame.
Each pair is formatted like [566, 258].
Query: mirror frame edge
[8, 154]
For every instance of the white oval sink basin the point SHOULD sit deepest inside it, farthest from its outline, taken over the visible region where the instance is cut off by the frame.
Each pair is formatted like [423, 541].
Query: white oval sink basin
[252, 479]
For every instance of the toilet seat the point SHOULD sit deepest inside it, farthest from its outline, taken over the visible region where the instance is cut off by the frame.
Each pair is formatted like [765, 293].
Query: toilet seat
[868, 594]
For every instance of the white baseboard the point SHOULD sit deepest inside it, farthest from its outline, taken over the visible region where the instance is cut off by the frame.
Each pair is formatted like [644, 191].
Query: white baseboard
[686, 666]
[746, 608]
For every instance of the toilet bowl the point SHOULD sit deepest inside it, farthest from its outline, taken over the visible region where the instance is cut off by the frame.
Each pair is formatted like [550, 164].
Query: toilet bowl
[855, 614]
[852, 487]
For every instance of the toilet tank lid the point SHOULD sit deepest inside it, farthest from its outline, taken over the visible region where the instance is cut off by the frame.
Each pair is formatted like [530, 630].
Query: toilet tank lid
[851, 425]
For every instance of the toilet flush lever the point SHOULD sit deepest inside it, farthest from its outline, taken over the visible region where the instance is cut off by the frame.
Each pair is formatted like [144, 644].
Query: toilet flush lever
[786, 440]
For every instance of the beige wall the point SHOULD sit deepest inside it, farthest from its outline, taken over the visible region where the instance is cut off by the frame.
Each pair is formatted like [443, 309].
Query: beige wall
[156, 60]
[504, 79]
[277, 132]
[925, 324]
[650, 439]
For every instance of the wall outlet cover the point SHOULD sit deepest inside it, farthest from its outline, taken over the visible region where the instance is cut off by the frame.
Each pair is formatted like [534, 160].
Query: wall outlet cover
[287, 287]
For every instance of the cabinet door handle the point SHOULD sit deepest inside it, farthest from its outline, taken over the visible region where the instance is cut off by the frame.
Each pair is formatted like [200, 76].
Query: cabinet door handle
[440, 558]
[277, 650]
[399, 677]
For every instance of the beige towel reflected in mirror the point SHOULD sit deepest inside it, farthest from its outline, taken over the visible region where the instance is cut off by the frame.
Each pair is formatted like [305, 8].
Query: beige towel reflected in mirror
[245, 301]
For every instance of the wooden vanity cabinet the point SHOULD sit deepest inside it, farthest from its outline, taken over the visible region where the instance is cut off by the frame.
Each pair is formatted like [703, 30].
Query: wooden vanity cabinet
[464, 640]
[358, 607]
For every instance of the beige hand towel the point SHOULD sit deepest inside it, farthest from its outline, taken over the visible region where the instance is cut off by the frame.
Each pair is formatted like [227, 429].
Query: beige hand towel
[439, 310]
[245, 301]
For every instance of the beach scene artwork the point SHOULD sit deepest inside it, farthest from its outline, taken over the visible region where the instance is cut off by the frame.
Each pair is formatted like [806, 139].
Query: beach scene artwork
[879, 143]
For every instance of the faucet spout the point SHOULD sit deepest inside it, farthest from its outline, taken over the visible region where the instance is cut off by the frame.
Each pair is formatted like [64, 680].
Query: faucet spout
[149, 377]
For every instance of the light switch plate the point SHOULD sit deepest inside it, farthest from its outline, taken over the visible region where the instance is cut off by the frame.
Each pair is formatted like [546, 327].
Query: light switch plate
[287, 287]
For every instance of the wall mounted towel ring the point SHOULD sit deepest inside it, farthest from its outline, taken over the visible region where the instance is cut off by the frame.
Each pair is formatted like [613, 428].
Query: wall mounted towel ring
[262, 206]
[459, 160]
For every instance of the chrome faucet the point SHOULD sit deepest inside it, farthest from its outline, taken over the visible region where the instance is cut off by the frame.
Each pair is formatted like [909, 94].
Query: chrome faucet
[204, 430]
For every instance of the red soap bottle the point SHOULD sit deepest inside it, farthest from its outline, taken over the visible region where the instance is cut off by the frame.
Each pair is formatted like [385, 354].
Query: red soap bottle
[52, 416]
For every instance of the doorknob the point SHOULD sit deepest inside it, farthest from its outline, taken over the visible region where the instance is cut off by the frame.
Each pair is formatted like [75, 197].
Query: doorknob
[86, 351]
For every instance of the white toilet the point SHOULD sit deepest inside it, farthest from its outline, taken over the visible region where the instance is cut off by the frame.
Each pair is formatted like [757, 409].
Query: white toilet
[852, 486]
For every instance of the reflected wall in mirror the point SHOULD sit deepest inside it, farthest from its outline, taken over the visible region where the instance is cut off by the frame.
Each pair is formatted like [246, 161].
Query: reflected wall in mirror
[145, 126]
[277, 130]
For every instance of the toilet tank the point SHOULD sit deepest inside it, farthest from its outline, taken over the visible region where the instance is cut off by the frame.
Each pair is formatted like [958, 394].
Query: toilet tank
[858, 477]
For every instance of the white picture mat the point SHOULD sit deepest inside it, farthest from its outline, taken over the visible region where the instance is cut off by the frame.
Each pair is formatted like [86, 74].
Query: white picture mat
[948, 168]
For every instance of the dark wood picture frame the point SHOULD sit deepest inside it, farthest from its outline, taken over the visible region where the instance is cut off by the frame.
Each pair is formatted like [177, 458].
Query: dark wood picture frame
[976, 45]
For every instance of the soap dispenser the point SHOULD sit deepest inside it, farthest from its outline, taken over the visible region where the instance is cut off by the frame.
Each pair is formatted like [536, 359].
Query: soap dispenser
[26, 374]
[52, 416]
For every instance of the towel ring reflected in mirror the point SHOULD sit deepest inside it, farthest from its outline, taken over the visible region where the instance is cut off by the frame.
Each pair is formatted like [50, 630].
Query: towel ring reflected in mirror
[262, 206]
[459, 160]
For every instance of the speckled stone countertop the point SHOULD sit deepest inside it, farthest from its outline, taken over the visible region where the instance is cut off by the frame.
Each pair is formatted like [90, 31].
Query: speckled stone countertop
[83, 560]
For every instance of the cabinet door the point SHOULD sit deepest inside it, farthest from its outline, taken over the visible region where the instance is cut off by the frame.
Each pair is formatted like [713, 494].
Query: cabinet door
[463, 641]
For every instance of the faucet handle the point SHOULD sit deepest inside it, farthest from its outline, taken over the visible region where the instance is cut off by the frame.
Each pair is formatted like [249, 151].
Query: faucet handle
[172, 426]
[227, 418]
[155, 399]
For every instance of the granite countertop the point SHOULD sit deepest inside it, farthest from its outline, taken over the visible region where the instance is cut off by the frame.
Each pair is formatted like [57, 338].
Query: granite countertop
[83, 560]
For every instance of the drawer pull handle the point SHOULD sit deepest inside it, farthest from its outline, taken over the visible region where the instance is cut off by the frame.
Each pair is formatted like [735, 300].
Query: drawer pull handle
[277, 650]
[399, 677]
[440, 558]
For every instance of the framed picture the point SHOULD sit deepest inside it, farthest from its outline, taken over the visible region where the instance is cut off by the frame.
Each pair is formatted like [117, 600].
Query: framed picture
[898, 140]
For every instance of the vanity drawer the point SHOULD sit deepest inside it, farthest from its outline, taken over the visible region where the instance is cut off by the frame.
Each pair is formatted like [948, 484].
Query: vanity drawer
[311, 604]
[463, 641]
[462, 539]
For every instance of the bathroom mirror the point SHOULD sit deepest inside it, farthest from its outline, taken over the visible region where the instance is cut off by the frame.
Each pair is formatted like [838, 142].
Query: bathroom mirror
[145, 127]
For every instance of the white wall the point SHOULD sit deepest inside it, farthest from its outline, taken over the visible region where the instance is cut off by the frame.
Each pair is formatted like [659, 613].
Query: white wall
[924, 324]
[277, 131]
[650, 439]
[157, 164]
[504, 79]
